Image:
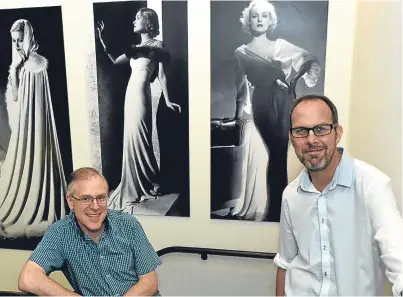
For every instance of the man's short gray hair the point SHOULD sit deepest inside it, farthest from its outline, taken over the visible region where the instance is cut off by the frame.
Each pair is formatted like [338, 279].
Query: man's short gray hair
[84, 173]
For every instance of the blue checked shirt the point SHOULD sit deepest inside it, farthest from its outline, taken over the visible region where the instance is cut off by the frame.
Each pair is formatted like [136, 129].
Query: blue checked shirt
[343, 240]
[108, 268]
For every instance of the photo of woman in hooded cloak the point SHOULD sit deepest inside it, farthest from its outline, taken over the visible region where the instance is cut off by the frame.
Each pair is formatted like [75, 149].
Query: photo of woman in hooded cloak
[32, 181]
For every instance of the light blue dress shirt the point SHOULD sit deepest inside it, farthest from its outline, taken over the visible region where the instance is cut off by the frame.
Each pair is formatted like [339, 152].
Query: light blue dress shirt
[343, 240]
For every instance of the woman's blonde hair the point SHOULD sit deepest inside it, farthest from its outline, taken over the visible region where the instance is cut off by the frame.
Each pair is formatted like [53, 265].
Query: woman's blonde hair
[245, 18]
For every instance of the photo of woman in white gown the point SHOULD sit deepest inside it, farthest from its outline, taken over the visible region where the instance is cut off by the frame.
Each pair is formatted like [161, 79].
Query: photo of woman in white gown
[32, 180]
[140, 172]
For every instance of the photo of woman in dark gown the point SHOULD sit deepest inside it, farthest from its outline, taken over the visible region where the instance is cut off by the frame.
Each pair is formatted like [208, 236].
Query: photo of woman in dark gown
[140, 172]
[264, 68]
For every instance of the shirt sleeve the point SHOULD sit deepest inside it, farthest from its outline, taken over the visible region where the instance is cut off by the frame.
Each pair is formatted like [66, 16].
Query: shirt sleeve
[145, 257]
[388, 229]
[49, 252]
[288, 245]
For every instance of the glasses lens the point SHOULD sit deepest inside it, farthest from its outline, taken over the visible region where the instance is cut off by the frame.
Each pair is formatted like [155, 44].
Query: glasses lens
[88, 200]
[299, 132]
[85, 200]
[102, 199]
[322, 130]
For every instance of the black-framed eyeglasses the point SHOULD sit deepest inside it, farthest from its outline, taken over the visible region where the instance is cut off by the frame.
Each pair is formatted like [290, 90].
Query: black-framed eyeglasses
[87, 200]
[319, 130]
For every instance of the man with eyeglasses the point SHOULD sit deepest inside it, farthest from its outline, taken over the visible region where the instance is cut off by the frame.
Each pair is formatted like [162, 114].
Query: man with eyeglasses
[101, 252]
[340, 229]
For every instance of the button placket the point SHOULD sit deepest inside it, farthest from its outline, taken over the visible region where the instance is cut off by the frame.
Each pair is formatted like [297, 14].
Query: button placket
[101, 254]
[324, 243]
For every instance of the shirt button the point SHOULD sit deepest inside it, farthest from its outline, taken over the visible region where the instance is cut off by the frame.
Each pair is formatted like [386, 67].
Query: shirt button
[325, 273]
[323, 220]
[324, 247]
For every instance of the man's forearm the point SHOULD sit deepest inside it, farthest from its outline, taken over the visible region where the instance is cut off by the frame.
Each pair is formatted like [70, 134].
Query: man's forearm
[42, 285]
[280, 282]
[143, 288]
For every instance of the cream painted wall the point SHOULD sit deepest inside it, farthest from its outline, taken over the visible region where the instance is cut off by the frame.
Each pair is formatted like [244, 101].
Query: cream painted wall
[198, 230]
[375, 124]
[376, 94]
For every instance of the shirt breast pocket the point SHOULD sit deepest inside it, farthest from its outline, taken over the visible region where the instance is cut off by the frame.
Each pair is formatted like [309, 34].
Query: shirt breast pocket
[121, 261]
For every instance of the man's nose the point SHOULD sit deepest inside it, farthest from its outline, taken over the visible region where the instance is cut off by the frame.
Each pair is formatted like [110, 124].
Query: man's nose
[94, 204]
[311, 138]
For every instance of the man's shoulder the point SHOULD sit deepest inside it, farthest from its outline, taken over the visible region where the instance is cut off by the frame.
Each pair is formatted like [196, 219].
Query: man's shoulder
[125, 225]
[59, 230]
[291, 190]
[368, 173]
[121, 218]
[118, 215]
[61, 225]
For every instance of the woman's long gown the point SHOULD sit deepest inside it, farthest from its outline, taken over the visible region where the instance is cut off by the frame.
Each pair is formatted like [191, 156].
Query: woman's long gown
[32, 181]
[140, 172]
[271, 105]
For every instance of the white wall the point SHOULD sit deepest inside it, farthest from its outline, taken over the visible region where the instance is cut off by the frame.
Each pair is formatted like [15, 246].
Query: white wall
[199, 230]
[376, 98]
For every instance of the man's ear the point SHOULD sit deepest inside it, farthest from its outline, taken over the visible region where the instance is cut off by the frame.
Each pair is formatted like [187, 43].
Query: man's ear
[70, 202]
[291, 139]
[339, 133]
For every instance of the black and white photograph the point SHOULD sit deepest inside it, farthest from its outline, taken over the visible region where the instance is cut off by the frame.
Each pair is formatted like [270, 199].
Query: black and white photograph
[264, 54]
[35, 146]
[142, 105]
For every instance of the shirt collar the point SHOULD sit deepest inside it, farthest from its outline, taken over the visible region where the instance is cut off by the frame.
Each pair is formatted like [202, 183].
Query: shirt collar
[85, 236]
[343, 175]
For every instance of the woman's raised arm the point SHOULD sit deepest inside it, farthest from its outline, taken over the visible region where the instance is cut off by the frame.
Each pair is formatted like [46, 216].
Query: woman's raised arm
[122, 59]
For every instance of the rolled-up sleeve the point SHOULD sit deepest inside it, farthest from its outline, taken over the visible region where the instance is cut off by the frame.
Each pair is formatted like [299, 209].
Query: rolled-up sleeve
[146, 258]
[388, 226]
[288, 245]
[397, 289]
